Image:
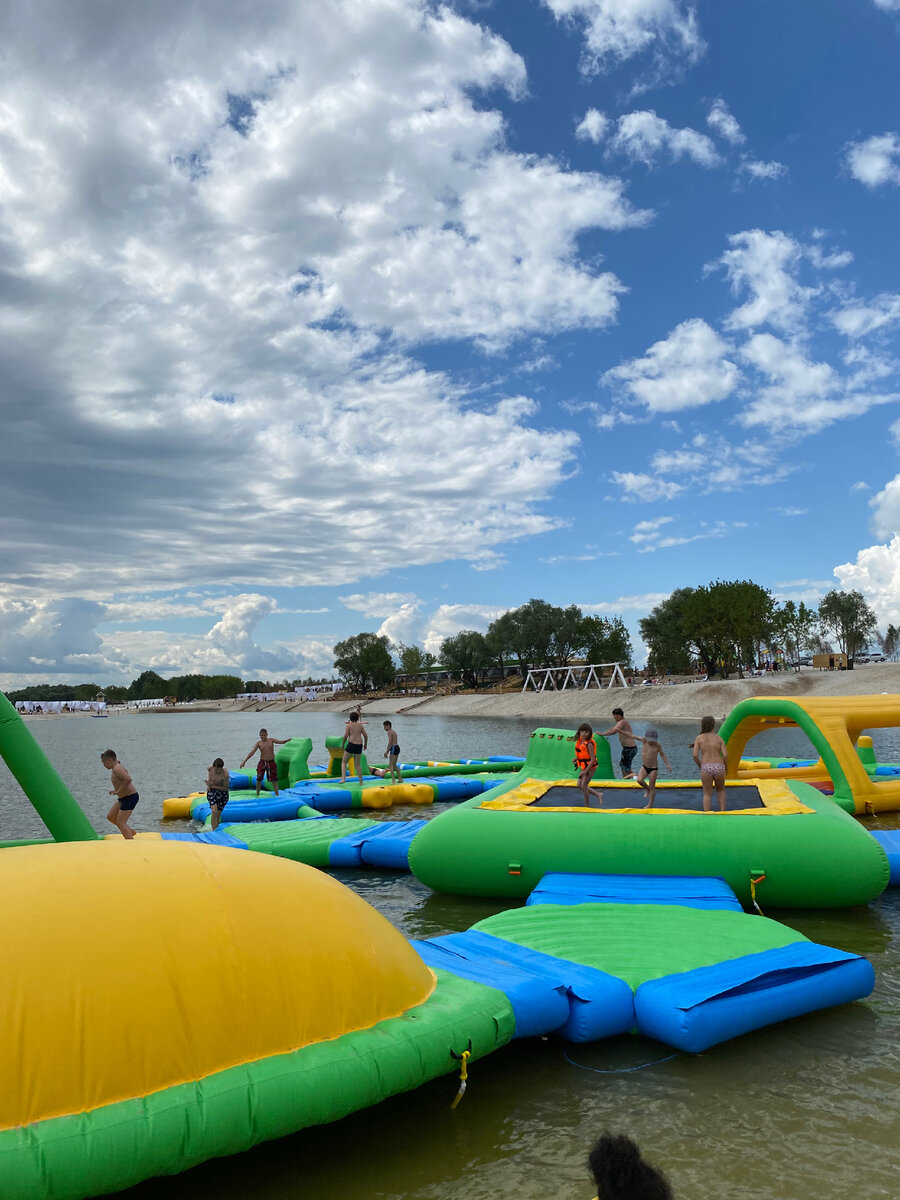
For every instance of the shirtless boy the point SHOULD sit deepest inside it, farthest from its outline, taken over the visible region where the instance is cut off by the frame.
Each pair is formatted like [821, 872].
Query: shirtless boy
[123, 789]
[266, 766]
[217, 781]
[392, 753]
[355, 740]
[650, 754]
[710, 748]
[626, 741]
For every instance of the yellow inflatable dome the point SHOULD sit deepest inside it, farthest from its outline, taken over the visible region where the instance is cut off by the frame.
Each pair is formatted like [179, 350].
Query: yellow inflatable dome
[110, 992]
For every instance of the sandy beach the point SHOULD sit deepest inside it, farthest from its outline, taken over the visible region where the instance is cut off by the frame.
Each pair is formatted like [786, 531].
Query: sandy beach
[670, 702]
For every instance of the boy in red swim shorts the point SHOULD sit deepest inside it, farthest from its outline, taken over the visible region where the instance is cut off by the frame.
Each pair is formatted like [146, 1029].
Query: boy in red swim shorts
[266, 767]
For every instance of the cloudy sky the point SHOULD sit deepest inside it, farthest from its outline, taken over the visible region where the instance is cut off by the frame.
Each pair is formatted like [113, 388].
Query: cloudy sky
[318, 317]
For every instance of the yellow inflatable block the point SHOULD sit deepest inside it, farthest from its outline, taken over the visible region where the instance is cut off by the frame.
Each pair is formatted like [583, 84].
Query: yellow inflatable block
[179, 807]
[109, 993]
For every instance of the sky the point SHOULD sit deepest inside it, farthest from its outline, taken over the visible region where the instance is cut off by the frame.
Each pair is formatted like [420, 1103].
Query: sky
[385, 315]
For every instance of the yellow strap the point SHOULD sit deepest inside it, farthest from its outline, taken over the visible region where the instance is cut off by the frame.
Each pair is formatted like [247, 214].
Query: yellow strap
[463, 1077]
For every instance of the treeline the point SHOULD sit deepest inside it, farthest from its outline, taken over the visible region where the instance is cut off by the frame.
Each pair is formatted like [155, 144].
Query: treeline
[729, 625]
[151, 686]
[536, 634]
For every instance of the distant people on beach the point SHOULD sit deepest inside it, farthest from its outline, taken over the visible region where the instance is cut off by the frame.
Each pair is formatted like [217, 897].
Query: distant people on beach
[621, 1173]
[266, 767]
[392, 752]
[585, 761]
[711, 756]
[354, 741]
[124, 791]
[651, 752]
[217, 782]
[622, 729]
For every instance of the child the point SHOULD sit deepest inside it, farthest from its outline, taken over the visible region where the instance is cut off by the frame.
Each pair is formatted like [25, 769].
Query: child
[392, 753]
[709, 747]
[650, 752]
[123, 789]
[622, 729]
[586, 761]
[355, 740]
[621, 1173]
[216, 791]
[266, 765]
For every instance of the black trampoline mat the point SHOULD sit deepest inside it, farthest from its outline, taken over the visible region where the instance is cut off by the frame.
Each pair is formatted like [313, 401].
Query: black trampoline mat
[691, 798]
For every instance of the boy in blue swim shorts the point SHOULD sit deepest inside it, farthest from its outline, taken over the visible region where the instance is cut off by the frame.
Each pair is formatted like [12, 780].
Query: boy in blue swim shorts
[626, 741]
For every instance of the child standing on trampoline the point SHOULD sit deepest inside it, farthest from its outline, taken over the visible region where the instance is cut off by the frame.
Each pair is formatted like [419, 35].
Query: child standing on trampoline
[650, 755]
[586, 761]
[710, 748]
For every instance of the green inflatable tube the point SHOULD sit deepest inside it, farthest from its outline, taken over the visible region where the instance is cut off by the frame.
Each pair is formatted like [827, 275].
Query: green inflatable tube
[52, 800]
[820, 858]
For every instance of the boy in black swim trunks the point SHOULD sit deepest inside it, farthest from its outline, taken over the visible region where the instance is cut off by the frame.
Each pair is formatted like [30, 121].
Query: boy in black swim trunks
[123, 789]
[392, 753]
[217, 781]
[354, 741]
[650, 752]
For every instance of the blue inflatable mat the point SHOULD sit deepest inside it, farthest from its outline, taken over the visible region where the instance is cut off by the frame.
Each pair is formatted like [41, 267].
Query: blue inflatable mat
[686, 890]
[887, 771]
[383, 845]
[889, 840]
[209, 838]
[269, 808]
[697, 1009]
[547, 994]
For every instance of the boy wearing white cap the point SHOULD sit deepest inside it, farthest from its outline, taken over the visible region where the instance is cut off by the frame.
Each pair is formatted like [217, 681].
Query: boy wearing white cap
[650, 754]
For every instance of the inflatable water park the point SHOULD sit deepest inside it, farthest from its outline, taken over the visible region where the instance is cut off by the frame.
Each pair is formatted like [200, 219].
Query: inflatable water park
[621, 919]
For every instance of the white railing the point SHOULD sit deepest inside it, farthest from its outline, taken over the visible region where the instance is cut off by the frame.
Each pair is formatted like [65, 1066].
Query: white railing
[547, 677]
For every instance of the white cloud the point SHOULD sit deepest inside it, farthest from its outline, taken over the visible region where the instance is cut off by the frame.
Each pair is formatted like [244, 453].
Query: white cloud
[758, 169]
[703, 532]
[616, 30]
[642, 603]
[643, 136]
[687, 369]
[447, 620]
[860, 486]
[646, 531]
[859, 319]
[874, 161]
[876, 570]
[641, 487]
[764, 264]
[592, 127]
[721, 121]
[719, 464]
[377, 604]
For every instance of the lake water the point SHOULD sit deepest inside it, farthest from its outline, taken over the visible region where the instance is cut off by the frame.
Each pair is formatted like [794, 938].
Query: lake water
[807, 1110]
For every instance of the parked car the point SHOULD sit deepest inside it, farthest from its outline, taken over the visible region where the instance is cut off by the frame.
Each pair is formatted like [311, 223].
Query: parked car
[804, 662]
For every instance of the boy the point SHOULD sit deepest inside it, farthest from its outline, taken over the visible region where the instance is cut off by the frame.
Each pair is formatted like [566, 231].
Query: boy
[355, 740]
[217, 781]
[123, 789]
[392, 753]
[626, 741]
[266, 765]
[650, 752]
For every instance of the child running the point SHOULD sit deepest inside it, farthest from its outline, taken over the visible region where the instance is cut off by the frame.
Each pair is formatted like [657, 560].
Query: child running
[216, 791]
[586, 761]
[392, 753]
[266, 766]
[354, 741]
[124, 791]
[710, 748]
[650, 755]
[622, 729]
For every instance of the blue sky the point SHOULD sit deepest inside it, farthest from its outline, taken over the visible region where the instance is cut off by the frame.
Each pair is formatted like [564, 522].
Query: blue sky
[385, 315]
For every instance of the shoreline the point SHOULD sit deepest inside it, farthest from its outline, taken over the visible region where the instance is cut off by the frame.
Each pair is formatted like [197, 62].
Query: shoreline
[669, 702]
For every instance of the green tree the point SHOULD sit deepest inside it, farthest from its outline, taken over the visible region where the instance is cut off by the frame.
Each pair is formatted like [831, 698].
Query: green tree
[364, 660]
[412, 659]
[115, 694]
[668, 646]
[605, 639]
[890, 643]
[726, 621]
[467, 655]
[528, 634]
[793, 627]
[256, 685]
[848, 617]
[566, 636]
[148, 686]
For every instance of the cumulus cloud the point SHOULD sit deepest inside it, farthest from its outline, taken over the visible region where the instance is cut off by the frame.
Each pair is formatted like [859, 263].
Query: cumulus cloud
[858, 318]
[592, 127]
[638, 486]
[643, 137]
[687, 369]
[876, 570]
[616, 30]
[448, 619]
[217, 264]
[875, 161]
[721, 121]
[758, 169]
[765, 265]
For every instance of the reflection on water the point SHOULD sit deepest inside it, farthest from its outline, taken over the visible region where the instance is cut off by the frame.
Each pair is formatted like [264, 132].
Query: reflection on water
[807, 1110]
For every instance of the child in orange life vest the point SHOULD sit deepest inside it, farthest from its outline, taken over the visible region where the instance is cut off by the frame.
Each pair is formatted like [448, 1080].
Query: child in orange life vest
[586, 761]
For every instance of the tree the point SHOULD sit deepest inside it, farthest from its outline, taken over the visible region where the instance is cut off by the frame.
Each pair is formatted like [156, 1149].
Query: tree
[362, 660]
[256, 685]
[891, 642]
[148, 686]
[849, 618]
[605, 639]
[535, 634]
[668, 646]
[566, 634]
[412, 659]
[793, 626]
[726, 621]
[467, 655]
